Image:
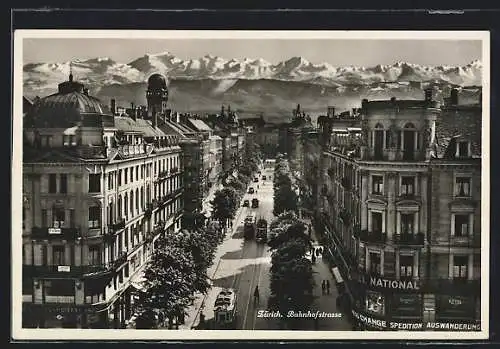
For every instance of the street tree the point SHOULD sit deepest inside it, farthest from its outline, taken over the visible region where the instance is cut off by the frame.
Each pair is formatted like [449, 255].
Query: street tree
[285, 233]
[224, 204]
[285, 199]
[291, 280]
[169, 281]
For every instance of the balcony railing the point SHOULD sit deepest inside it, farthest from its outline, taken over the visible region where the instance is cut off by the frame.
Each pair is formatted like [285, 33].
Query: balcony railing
[371, 237]
[49, 233]
[417, 239]
[68, 270]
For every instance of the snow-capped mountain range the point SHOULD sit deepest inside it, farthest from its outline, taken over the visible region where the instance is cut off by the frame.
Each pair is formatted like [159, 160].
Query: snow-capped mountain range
[105, 71]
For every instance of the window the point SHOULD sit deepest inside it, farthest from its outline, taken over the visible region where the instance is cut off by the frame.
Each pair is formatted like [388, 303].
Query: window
[462, 186]
[131, 174]
[65, 140]
[58, 217]
[126, 175]
[94, 255]
[59, 287]
[110, 180]
[44, 218]
[375, 265]
[407, 222]
[120, 177]
[94, 217]
[460, 264]
[377, 222]
[132, 203]
[406, 266]
[378, 184]
[375, 302]
[407, 185]
[94, 183]
[58, 255]
[52, 183]
[137, 173]
[72, 218]
[64, 184]
[463, 149]
[461, 225]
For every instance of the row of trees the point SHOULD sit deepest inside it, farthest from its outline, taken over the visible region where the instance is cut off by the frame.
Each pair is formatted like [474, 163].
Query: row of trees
[236, 181]
[176, 271]
[285, 198]
[291, 271]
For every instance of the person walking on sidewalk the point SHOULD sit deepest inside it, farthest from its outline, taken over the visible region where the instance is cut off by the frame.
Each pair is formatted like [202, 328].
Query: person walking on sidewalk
[323, 286]
[327, 284]
[256, 295]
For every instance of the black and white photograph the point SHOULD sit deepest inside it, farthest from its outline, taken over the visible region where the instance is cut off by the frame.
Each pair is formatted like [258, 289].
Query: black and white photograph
[250, 185]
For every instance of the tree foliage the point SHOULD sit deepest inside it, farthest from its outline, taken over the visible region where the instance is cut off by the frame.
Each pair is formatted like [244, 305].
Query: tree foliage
[225, 203]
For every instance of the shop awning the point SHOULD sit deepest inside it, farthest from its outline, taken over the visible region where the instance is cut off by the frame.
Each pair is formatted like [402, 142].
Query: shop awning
[336, 274]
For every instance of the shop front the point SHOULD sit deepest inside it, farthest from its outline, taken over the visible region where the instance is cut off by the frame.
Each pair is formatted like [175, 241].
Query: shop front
[393, 305]
[55, 316]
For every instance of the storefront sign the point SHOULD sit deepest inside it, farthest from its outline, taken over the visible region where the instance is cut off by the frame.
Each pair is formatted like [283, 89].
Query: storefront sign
[394, 284]
[54, 231]
[64, 268]
[414, 326]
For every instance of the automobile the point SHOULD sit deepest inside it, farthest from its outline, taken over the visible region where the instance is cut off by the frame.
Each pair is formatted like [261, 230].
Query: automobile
[251, 190]
[255, 179]
[255, 203]
[246, 203]
[264, 178]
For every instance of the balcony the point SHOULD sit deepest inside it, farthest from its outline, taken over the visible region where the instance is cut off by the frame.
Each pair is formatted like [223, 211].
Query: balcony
[69, 271]
[371, 237]
[409, 239]
[117, 226]
[57, 233]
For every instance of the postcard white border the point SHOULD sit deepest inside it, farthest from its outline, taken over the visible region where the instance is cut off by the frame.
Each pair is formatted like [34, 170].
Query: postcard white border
[18, 333]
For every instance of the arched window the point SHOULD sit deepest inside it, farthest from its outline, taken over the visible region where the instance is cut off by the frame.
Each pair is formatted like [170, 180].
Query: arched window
[142, 196]
[409, 125]
[379, 125]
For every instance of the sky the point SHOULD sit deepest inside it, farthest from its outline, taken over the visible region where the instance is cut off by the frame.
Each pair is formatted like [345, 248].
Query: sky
[338, 52]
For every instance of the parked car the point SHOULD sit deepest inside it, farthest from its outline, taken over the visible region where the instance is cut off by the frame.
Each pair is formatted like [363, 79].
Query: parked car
[246, 203]
[255, 179]
[264, 178]
[255, 203]
[251, 190]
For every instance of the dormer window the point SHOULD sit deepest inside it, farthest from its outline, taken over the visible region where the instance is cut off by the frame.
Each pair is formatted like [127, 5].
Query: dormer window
[463, 149]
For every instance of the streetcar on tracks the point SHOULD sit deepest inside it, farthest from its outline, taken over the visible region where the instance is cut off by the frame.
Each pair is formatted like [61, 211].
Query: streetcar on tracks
[225, 312]
[249, 227]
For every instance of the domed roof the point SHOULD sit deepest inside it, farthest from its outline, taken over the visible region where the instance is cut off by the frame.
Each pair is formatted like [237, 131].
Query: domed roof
[73, 101]
[157, 81]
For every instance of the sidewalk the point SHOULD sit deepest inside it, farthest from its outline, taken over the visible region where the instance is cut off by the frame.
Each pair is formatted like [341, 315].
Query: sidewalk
[326, 302]
[192, 318]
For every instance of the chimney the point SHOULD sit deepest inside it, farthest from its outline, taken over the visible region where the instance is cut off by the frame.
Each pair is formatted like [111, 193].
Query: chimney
[138, 114]
[454, 97]
[428, 94]
[113, 106]
[132, 106]
[133, 113]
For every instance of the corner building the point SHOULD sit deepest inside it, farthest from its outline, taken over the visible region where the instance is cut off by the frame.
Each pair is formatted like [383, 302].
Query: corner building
[400, 206]
[99, 190]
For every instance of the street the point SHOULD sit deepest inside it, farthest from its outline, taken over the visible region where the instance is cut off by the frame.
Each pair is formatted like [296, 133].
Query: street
[242, 265]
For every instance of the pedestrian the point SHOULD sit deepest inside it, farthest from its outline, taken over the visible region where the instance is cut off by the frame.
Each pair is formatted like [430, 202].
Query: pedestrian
[328, 286]
[323, 286]
[313, 258]
[317, 252]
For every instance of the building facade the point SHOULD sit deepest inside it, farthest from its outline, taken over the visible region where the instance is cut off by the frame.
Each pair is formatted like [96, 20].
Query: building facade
[400, 206]
[99, 190]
